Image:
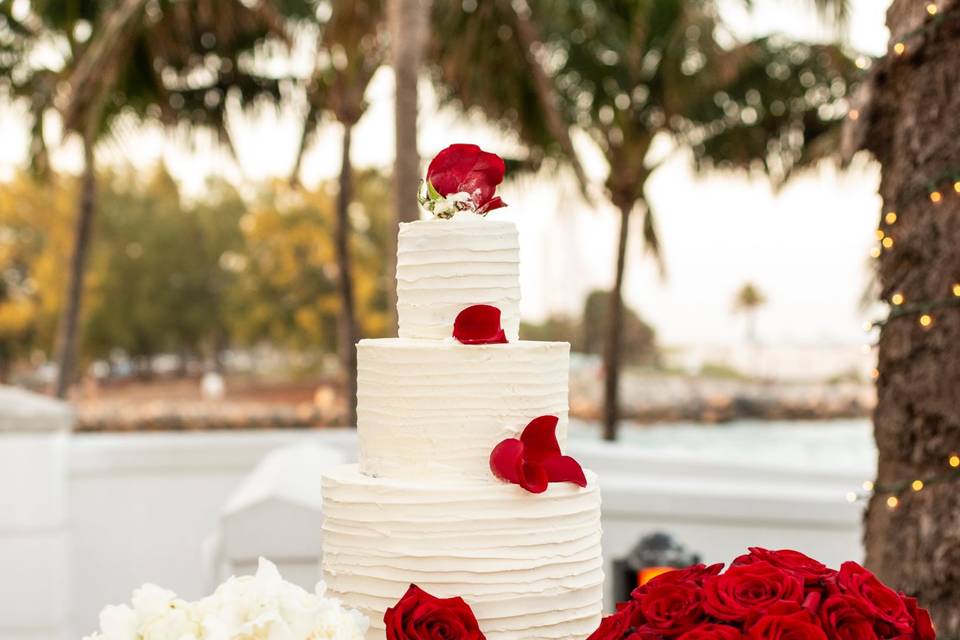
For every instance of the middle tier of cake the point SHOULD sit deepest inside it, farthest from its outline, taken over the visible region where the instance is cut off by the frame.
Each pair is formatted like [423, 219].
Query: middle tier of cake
[435, 409]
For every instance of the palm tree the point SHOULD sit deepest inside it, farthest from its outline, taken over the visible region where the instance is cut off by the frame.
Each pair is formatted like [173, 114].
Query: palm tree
[748, 300]
[173, 62]
[911, 536]
[351, 46]
[628, 71]
[408, 24]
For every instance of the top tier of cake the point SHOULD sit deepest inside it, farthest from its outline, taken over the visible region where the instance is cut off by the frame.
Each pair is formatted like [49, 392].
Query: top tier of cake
[444, 266]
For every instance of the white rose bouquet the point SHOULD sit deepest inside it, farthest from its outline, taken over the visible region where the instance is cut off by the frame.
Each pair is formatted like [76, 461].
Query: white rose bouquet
[257, 607]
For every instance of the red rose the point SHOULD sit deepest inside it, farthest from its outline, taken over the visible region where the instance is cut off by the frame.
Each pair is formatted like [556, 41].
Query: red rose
[922, 624]
[712, 631]
[877, 599]
[844, 618]
[421, 616]
[734, 595]
[672, 608]
[804, 567]
[696, 574]
[785, 621]
[469, 169]
[613, 627]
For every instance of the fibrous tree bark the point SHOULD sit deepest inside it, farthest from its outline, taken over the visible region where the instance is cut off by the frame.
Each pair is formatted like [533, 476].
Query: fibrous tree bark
[911, 125]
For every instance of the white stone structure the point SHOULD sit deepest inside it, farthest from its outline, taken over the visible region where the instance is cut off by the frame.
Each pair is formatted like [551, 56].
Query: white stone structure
[34, 534]
[276, 512]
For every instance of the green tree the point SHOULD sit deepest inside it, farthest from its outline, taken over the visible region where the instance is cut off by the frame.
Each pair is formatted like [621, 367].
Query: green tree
[748, 301]
[630, 71]
[287, 287]
[170, 264]
[177, 63]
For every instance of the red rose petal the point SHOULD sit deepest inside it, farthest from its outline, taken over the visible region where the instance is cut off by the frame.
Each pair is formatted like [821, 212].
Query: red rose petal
[533, 477]
[540, 438]
[564, 469]
[479, 324]
[505, 460]
[494, 203]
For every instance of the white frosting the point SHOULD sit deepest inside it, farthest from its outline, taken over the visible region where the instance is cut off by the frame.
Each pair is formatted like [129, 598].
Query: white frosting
[529, 565]
[435, 409]
[445, 266]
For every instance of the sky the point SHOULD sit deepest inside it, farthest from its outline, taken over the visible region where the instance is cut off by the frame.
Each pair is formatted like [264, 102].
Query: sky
[806, 247]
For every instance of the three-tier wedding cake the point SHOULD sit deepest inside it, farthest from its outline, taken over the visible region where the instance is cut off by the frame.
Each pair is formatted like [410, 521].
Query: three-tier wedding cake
[423, 505]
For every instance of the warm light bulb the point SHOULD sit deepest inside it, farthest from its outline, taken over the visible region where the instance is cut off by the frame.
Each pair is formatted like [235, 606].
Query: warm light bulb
[935, 197]
[954, 461]
[893, 502]
[874, 373]
[851, 497]
[956, 186]
[899, 48]
[891, 217]
[917, 485]
[887, 242]
[868, 485]
[956, 289]
[879, 233]
[853, 114]
[897, 298]
[875, 252]
[926, 320]
[931, 9]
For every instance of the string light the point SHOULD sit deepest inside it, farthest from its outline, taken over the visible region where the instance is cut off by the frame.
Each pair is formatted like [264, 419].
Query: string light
[936, 197]
[896, 298]
[887, 242]
[874, 373]
[954, 461]
[879, 233]
[893, 502]
[853, 114]
[891, 217]
[956, 289]
[917, 485]
[956, 186]
[926, 320]
[868, 485]
[893, 492]
[851, 496]
[875, 252]
[899, 48]
[932, 9]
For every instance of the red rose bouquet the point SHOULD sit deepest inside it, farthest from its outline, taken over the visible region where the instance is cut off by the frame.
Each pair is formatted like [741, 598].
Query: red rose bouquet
[767, 595]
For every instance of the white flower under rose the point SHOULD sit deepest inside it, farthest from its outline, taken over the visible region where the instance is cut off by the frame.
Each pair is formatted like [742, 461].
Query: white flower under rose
[257, 607]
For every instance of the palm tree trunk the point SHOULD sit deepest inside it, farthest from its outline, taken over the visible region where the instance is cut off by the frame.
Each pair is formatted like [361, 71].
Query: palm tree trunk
[614, 329]
[70, 319]
[912, 130]
[408, 21]
[347, 326]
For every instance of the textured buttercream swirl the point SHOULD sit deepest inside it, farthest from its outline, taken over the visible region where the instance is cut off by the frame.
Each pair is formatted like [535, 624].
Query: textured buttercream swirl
[432, 409]
[529, 565]
[444, 266]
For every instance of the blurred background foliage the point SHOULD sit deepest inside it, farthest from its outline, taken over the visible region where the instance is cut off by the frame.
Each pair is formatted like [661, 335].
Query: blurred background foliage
[187, 277]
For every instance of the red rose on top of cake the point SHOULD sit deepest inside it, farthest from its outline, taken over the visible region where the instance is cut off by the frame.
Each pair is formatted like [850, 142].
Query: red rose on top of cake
[463, 177]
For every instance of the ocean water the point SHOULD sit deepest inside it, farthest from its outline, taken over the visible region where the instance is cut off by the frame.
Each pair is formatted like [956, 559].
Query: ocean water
[839, 445]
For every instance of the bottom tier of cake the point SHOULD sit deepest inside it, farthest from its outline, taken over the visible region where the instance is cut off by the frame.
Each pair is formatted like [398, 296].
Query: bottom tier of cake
[529, 565]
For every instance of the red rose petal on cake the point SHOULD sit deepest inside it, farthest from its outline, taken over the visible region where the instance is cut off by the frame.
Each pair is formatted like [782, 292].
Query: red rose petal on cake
[564, 469]
[479, 324]
[495, 203]
[533, 477]
[540, 439]
[505, 460]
